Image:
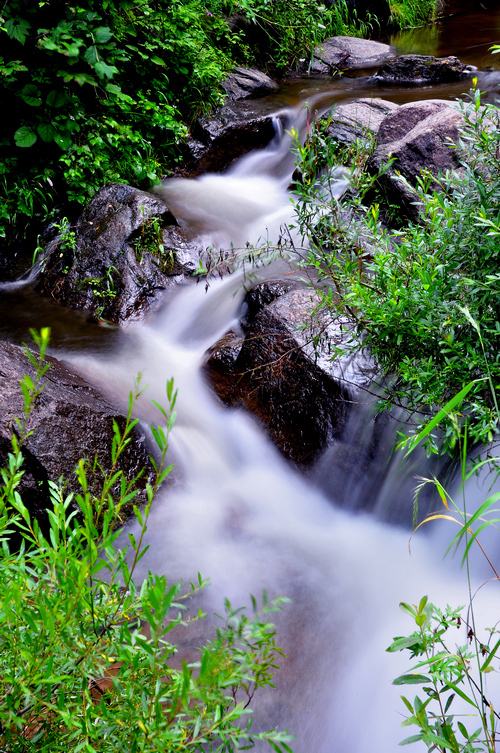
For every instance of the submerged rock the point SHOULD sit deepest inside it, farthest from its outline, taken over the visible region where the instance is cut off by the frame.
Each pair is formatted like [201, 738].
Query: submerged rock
[288, 374]
[423, 69]
[248, 83]
[126, 249]
[342, 53]
[417, 136]
[70, 420]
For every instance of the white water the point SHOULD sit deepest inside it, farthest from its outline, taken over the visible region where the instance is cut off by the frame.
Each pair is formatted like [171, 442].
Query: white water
[243, 517]
[240, 515]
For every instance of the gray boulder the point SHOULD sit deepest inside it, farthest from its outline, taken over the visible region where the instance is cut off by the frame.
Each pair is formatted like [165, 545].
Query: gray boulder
[70, 420]
[290, 377]
[359, 120]
[124, 255]
[418, 136]
[423, 69]
[342, 53]
[248, 83]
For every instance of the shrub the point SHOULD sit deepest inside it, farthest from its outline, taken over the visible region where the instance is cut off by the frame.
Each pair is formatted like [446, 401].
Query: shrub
[425, 298]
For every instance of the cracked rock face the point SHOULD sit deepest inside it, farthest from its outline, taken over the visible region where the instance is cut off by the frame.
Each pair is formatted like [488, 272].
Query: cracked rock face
[123, 256]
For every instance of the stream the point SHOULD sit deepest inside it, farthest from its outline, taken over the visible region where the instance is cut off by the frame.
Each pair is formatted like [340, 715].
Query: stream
[236, 511]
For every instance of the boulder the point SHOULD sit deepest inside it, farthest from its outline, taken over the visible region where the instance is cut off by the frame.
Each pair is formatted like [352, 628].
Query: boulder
[70, 420]
[423, 69]
[342, 53]
[359, 120]
[284, 374]
[248, 83]
[418, 136]
[126, 249]
[234, 130]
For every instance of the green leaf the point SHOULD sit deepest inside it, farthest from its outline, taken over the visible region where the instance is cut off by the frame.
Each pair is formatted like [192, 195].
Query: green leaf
[63, 140]
[412, 739]
[158, 61]
[450, 405]
[25, 136]
[31, 95]
[90, 55]
[56, 98]
[17, 28]
[411, 679]
[401, 643]
[102, 34]
[46, 131]
[104, 70]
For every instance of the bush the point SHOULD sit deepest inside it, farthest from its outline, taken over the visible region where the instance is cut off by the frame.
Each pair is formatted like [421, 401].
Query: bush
[86, 658]
[426, 298]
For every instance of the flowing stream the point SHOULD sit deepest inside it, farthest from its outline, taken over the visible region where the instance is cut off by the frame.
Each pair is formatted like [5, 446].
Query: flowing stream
[236, 511]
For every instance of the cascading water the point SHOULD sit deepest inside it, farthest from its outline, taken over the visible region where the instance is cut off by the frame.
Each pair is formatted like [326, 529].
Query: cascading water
[238, 512]
[242, 516]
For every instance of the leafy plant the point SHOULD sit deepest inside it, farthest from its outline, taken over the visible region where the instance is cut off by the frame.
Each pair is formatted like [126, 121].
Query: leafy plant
[87, 661]
[449, 674]
[424, 298]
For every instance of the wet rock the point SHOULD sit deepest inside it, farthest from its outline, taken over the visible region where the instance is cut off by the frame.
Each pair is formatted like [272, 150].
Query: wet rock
[120, 257]
[283, 372]
[70, 420]
[248, 83]
[234, 130]
[423, 69]
[359, 120]
[342, 53]
[418, 136]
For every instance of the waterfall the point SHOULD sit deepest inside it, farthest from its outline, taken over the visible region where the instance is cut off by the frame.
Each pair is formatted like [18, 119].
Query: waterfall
[242, 516]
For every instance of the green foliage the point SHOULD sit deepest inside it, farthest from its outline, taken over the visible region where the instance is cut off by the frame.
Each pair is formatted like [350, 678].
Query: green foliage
[100, 93]
[452, 675]
[87, 661]
[425, 298]
[294, 29]
[407, 14]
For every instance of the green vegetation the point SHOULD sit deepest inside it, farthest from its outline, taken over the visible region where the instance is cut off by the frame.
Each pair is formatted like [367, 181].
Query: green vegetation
[107, 91]
[455, 709]
[86, 658]
[425, 299]
[408, 14]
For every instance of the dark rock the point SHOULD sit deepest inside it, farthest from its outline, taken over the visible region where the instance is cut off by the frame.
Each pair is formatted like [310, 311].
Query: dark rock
[359, 120]
[248, 83]
[70, 420]
[116, 268]
[234, 130]
[423, 69]
[283, 373]
[342, 53]
[421, 134]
